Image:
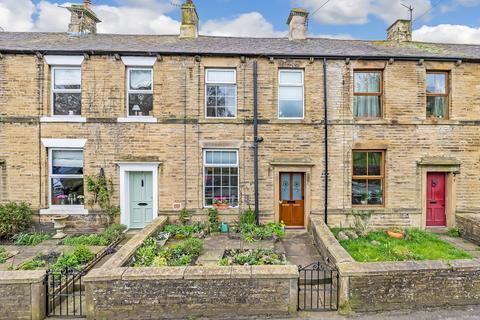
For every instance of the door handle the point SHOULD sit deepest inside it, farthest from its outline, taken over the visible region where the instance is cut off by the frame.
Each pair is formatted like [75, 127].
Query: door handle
[143, 204]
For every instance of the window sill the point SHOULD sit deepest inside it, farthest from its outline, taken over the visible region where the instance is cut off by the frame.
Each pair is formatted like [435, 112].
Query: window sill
[64, 210]
[63, 119]
[137, 120]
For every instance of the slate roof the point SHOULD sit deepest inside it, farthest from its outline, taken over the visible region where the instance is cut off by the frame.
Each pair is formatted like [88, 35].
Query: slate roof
[207, 45]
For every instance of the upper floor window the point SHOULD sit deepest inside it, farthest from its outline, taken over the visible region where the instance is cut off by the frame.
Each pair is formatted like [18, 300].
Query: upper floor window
[221, 93]
[367, 94]
[368, 177]
[290, 94]
[437, 94]
[66, 177]
[140, 91]
[221, 177]
[66, 91]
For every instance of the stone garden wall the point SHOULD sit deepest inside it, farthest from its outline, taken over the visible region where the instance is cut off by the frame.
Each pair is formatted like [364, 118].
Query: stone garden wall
[380, 286]
[22, 295]
[469, 226]
[116, 291]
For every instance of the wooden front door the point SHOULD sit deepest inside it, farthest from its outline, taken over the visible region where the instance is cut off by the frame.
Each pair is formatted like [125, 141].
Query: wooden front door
[436, 216]
[292, 199]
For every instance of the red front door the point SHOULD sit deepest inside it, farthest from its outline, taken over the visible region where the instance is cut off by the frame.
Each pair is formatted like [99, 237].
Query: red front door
[436, 216]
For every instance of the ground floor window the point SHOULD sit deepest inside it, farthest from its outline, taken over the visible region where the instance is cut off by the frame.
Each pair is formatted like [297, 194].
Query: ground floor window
[368, 177]
[66, 177]
[221, 177]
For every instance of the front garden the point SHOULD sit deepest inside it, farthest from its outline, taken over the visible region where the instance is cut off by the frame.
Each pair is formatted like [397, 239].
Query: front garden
[413, 244]
[24, 248]
[212, 242]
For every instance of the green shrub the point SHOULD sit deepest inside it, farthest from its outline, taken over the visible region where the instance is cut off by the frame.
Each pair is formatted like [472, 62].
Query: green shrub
[3, 255]
[454, 232]
[251, 257]
[86, 239]
[14, 218]
[33, 264]
[247, 217]
[146, 253]
[213, 221]
[30, 239]
[184, 231]
[110, 235]
[80, 256]
[182, 254]
[251, 232]
[184, 216]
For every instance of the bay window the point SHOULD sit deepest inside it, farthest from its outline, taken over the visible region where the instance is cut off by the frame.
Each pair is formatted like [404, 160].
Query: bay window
[66, 177]
[221, 177]
[368, 177]
[140, 92]
[290, 94]
[221, 93]
[66, 91]
[367, 94]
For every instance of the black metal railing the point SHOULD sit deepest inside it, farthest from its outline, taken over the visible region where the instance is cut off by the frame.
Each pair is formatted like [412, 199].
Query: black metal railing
[318, 287]
[65, 293]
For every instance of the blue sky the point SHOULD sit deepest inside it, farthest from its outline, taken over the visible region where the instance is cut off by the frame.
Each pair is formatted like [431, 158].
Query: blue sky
[446, 20]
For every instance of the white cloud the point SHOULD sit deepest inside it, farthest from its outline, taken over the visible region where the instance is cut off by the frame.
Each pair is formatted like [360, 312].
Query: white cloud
[358, 11]
[251, 24]
[15, 15]
[448, 33]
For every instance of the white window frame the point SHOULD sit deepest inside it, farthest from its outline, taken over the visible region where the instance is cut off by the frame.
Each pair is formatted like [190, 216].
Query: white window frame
[53, 91]
[205, 166]
[296, 85]
[69, 209]
[221, 83]
[138, 91]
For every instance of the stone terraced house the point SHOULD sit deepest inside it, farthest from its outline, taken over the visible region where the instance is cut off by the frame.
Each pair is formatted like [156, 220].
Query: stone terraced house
[291, 127]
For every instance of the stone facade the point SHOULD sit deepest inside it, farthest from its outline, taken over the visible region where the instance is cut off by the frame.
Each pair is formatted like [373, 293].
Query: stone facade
[469, 226]
[414, 144]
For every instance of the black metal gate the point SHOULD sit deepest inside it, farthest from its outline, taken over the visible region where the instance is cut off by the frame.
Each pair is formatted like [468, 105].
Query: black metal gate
[65, 293]
[318, 287]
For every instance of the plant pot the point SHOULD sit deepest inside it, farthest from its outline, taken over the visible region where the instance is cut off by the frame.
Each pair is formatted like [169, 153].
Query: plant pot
[396, 235]
[221, 206]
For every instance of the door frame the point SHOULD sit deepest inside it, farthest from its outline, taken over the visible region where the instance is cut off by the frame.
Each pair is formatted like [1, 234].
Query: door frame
[306, 169]
[125, 169]
[450, 192]
[291, 186]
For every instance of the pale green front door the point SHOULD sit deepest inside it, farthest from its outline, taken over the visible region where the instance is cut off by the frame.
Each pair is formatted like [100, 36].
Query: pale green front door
[140, 199]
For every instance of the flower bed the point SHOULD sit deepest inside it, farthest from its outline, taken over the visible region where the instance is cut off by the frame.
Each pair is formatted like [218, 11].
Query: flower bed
[247, 230]
[182, 254]
[110, 235]
[30, 239]
[76, 259]
[3, 255]
[252, 257]
[416, 245]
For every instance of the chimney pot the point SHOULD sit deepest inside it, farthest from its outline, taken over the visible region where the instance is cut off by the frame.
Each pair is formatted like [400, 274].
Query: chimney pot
[297, 24]
[189, 27]
[400, 31]
[87, 3]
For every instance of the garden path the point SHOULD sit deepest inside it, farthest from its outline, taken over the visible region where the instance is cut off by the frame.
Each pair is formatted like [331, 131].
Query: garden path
[300, 248]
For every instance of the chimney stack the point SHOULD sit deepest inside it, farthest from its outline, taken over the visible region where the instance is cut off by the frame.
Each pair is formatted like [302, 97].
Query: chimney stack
[189, 27]
[297, 24]
[400, 31]
[82, 19]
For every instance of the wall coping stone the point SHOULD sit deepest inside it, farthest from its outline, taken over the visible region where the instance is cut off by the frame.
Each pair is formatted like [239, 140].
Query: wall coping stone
[102, 274]
[16, 277]
[339, 254]
[275, 272]
[207, 272]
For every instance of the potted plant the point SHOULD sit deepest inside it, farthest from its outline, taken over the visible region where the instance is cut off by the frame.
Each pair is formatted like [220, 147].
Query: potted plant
[81, 199]
[363, 198]
[62, 198]
[221, 203]
[396, 233]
